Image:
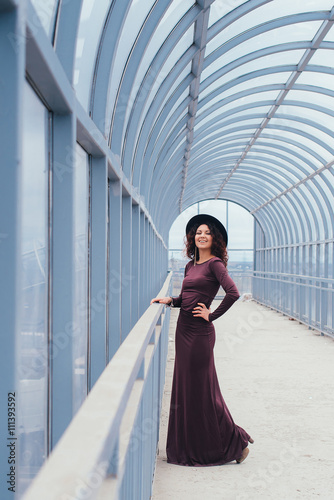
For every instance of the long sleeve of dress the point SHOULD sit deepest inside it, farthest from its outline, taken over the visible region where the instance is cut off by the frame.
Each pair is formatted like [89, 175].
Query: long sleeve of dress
[232, 294]
[177, 301]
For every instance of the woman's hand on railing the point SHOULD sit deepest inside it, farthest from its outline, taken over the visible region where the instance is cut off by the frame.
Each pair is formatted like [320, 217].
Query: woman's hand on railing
[162, 300]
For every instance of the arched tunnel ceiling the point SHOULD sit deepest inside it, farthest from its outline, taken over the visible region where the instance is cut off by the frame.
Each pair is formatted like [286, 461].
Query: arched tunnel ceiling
[217, 100]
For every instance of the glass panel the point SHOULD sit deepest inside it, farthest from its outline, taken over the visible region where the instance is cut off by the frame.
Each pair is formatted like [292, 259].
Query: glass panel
[219, 8]
[174, 13]
[261, 96]
[182, 97]
[179, 49]
[322, 57]
[207, 170]
[313, 130]
[93, 14]
[275, 78]
[226, 140]
[282, 58]
[243, 114]
[317, 79]
[134, 20]
[33, 340]
[264, 13]
[317, 98]
[328, 194]
[330, 35]
[219, 126]
[323, 181]
[312, 158]
[283, 34]
[80, 341]
[274, 10]
[177, 230]
[176, 263]
[329, 176]
[310, 114]
[273, 141]
[269, 170]
[183, 74]
[46, 11]
[267, 157]
[227, 81]
[300, 221]
[211, 149]
[312, 195]
[324, 153]
[241, 121]
[218, 140]
[265, 189]
[176, 54]
[277, 169]
[240, 227]
[217, 208]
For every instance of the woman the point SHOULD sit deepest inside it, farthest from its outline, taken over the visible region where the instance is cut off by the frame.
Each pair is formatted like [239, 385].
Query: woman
[201, 431]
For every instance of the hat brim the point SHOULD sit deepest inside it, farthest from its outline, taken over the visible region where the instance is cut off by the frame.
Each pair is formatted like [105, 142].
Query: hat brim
[199, 219]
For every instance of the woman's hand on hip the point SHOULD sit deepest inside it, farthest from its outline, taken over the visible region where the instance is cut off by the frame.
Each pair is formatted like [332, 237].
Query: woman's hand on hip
[162, 300]
[201, 311]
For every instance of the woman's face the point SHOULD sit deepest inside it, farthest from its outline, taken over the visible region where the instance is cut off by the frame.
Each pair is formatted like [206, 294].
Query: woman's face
[203, 238]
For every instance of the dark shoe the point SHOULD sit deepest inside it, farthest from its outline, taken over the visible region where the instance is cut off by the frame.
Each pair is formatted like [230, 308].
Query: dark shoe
[244, 455]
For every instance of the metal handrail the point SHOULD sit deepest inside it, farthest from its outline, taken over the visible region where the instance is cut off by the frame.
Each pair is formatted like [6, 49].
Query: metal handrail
[109, 448]
[291, 275]
[305, 298]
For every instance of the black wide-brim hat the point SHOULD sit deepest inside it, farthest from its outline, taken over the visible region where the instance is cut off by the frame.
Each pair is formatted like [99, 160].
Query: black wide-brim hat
[199, 219]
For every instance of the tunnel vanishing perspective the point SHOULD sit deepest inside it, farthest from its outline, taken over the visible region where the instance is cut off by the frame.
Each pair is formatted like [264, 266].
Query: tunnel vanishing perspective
[116, 116]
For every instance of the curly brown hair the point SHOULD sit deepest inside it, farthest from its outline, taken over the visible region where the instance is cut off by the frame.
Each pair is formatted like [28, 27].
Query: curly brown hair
[218, 244]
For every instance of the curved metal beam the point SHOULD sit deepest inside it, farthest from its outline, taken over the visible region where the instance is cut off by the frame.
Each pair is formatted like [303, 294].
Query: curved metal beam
[104, 63]
[266, 27]
[212, 107]
[135, 57]
[130, 152]
[161, 130]
[260, 189]
[220, 148]
[66, 35]
[132, 134]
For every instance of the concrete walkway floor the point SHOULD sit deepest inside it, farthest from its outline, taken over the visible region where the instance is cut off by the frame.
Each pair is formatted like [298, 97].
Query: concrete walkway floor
[276, 377]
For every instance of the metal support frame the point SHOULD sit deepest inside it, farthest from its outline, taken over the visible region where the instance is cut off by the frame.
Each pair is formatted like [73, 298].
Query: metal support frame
[13, 66]
[114, 279]
[98, 263]
[126, 272]
[64, 134]
[135, 261]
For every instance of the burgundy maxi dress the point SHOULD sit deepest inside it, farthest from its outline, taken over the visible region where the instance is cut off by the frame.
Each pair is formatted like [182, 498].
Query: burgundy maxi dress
[201, 431]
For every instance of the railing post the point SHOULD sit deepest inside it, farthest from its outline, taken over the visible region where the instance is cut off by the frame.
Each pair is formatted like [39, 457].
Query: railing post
[114, 461]
[141, 372]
